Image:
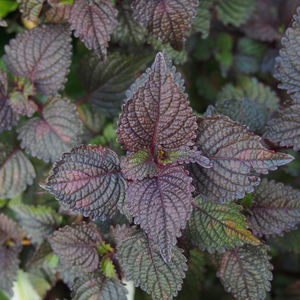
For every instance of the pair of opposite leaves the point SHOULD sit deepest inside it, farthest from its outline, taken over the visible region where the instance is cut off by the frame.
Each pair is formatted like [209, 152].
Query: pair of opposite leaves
[157, 128]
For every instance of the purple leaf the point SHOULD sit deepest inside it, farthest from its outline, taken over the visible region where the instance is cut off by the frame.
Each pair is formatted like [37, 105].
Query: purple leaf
[94, 24]
[138, 165]
[9, 230]
[144, 265]
[31, 9]
[42, 55]
[275, 209]
[167, 20]
[285, 126]
[56, 131]
[59, 14]
[76, 245]
[157, 115]
[16, 172]
[233, 151]
[88, 179]
[161, 205]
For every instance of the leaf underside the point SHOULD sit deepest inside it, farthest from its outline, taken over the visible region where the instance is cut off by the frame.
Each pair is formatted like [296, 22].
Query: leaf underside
[75, 246]
[233, 152]
[217, 227]
[285, 126]
[161, 205]
[275, 209]
[167, 20]
[94, 24]
[88, 179]
[144, 265]
[47, 137]
[43, 55]
[158, 114]
[97, 286]
[16, 172]
[107, 82]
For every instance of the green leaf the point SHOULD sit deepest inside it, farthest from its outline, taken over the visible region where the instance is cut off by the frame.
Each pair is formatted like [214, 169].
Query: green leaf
[275, 209]
[108, 268]
[16, 172]
[284, 126]
[245, 272]
[76, 246]
[55, 132]
[253, 90]
[40, 285]
[235, 12]
[168, 20]
[31, 9]
[9, 231]
[138, 165]
[247, 201]
[202, 21]
[7, 6]
[97, 286]
[233, 152]
[144, 265]
[106, 83]
[37, 221]
[288, 61]
[289, 242]
[128, 29]
[217, 227]
[88, 179]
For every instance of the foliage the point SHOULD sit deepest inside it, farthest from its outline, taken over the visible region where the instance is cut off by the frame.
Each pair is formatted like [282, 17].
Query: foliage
[160, 173]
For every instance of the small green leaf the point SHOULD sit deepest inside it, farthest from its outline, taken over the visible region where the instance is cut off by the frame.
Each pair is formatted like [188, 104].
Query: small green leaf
[247, 201]
[108, 268]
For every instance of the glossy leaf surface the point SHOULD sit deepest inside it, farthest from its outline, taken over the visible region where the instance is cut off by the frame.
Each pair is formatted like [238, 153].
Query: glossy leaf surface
[88, 179]
[161, 205]
[106, 83]
[233, 151]
[217, 227]
[246, 272]
[76, 246]
[16, 172]
[94, 24]
[55, 132]
[275, 209]
[158, 114]
[144, 265]
[37, 221]
[285, 126]
[45, 59]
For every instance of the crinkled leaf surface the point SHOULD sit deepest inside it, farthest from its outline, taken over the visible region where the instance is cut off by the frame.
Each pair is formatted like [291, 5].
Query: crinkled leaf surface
[128, 29]
[252, 89]
[275, 209]
[9, 230]
[76, 245]
[289, 242]
[9, 265]
[161, 205]
[246, 112]
[202, 21]
[246, 272]
[233, 152]
[143, 264]
[96, 286]
[288, 64]
[56, 131]
[138, 165]
[235, 12]
[42, 256]
[42, 55]
[158, 114]
[31, 9]
[16, 172]
[106, 83]
[167, 20]
[59, 14]
[8, 117]
[88, 179]
[285, 126]
[94, 24]
[217, 227]
[37, 221]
